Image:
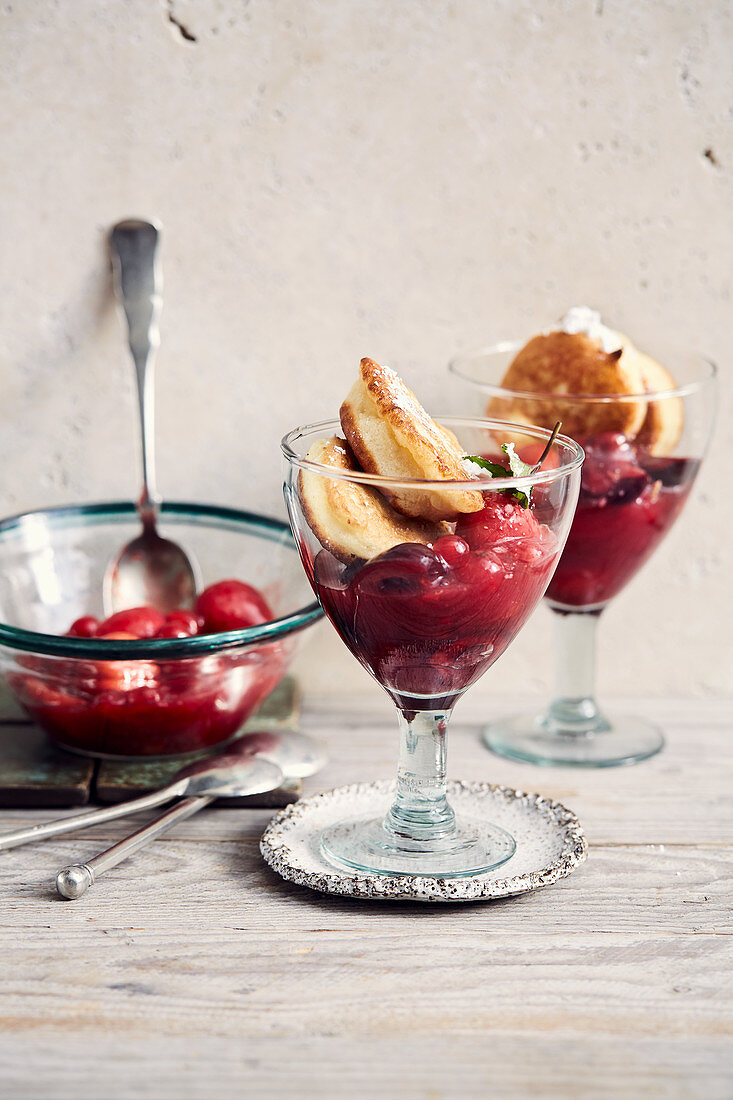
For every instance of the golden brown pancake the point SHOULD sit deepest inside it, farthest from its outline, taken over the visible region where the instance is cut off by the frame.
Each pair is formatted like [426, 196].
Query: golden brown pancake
[560, 363]
[662, 426]
[354, 521]
[391, 434]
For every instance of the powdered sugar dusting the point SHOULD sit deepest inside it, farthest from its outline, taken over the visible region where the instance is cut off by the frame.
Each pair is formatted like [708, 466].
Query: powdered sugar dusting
[402, 400]
[401, 396]
[586, 320]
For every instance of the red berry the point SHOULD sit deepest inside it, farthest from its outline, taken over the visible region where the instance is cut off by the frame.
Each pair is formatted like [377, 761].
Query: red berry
[499, 521]
[232, 605]
[451, 549]
[173, 630]
[143, 622]
[180, 624]
[85, 627]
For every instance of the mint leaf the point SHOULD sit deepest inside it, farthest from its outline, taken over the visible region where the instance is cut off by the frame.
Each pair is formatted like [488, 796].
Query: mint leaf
[495, 469]
[518, 468]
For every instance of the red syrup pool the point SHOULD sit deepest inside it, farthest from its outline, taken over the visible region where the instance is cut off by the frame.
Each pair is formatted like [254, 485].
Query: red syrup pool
[427, 621]
[145, 708]
[628, 501]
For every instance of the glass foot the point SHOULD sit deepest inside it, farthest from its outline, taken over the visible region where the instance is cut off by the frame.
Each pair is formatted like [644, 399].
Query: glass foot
[530, 738]
[471, 848]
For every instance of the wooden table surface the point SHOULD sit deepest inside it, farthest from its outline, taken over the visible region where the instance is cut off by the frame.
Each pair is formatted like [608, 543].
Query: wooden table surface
[194, 971]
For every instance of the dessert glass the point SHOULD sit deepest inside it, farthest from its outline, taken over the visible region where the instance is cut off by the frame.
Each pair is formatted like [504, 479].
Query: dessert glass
[426, 622]
[630, 496]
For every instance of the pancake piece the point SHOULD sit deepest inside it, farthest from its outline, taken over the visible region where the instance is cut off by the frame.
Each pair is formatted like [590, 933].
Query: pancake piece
[662, 427]
[558, 363]
[354, 521]
[391, 434]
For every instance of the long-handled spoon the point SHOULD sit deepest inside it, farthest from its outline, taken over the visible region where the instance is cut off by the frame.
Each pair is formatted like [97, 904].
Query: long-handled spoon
[150, 569]
[296, 754]
[246, 775]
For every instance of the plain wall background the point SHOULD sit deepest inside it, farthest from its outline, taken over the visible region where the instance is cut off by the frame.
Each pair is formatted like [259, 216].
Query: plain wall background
[349, 177]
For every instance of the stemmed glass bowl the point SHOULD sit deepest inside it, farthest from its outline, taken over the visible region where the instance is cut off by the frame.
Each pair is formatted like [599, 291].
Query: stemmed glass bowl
[426, 620]
[632, 491]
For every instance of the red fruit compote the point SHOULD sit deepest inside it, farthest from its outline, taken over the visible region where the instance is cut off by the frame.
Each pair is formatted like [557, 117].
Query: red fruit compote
[628, 501]
[427, 621]
[155, 706]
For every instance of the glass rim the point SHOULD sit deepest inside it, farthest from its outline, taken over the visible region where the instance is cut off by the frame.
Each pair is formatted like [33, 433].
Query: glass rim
[157, 648]
[494, 389]
[482, 483]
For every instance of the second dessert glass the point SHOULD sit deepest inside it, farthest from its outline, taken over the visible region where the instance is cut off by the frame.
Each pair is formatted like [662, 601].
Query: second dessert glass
[426, 621]
[632, 491]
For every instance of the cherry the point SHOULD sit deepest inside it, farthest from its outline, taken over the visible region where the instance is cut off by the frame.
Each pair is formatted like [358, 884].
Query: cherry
[85, 627]
[483, 572]
[452, 549]
[180, 624]
[232, 605]
[402, 570]
[611, 469]
[124, 675]
[329, 571]
[499, 521]
[143, 622]
[173, 630]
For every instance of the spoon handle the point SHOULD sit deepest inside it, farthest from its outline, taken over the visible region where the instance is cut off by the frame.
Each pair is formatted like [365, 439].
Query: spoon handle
[138, 284]
[89, 817]
[74, 881]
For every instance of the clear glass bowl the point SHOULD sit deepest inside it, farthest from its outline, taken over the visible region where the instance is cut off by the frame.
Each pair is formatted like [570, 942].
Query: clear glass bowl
[153, 697]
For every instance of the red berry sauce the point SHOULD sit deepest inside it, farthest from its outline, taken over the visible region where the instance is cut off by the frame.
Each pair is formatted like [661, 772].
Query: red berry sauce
[628, 501]
[427, 621]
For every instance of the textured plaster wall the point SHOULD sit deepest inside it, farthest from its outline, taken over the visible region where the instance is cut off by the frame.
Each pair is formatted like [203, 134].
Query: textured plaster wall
[348, 177]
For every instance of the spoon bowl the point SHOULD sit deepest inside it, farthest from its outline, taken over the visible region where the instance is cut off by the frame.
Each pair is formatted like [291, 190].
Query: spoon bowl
[296, 754]
[232, 775]
[150, 571]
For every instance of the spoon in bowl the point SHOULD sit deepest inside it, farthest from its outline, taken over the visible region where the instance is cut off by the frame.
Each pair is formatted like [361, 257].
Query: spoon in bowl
[149, 570]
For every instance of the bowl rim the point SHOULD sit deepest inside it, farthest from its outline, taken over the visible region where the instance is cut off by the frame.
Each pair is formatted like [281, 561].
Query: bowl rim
[481, 481]
[459, 366]
[157, 648]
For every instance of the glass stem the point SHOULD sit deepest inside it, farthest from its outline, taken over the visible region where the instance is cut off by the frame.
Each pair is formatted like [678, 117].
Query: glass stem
[574, 711]
[420, 816]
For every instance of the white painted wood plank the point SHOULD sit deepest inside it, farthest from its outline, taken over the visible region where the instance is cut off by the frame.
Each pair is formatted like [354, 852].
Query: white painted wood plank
[175, 884]
[584, 990]
[305, 984]
[155, 1065]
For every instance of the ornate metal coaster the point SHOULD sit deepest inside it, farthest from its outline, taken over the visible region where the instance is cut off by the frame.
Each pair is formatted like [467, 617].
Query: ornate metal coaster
[550, 843]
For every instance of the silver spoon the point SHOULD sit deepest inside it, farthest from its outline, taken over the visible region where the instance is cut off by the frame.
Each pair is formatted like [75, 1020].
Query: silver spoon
[236, 775]
[149, 570]
[286, 754]
[296, 755]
